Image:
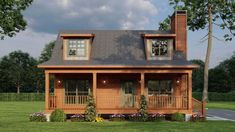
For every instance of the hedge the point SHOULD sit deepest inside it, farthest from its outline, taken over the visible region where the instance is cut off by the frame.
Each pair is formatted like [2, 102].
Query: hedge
[213, 96]
[22, 97]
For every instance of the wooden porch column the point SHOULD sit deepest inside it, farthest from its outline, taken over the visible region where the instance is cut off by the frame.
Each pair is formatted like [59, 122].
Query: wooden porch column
[142, 82]
[190, 90]
[47, 92]
[94, 85]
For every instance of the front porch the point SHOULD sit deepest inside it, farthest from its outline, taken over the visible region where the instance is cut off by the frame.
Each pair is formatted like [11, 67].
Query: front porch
[118, 91]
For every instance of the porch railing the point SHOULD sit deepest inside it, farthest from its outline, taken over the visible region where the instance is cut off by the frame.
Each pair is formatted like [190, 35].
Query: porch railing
[198, 107]
[75, 99]
[154, 102]
[167, 102]
[52, 102]
[125, 101]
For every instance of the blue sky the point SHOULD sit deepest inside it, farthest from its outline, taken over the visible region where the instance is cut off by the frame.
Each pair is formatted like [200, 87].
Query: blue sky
[46, 18]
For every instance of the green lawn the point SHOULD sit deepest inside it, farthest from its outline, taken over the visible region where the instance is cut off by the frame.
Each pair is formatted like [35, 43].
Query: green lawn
[14, 117]
[221, 105]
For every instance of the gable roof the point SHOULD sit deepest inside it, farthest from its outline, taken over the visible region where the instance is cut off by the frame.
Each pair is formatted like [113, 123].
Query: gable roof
[113, 48]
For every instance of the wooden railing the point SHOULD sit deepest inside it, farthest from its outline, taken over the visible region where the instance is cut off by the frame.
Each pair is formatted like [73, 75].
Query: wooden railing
[52, 102]
[75, 99]
[129, 101]
[167, 102]
[126, 101]
[198, 107]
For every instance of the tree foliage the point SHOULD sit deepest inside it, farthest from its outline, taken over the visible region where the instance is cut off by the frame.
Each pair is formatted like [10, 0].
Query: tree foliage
[39, 73]
[11, 17]
[143, 108]
[90, 112]
[203, 14]
[198, 76]
[47, 52]
[17, 69]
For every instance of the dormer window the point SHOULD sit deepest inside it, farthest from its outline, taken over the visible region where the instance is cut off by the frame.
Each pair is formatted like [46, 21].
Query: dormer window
[159, 48]
[77, 48]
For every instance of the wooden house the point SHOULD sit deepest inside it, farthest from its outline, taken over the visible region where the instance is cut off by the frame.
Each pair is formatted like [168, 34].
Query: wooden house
[117, 66]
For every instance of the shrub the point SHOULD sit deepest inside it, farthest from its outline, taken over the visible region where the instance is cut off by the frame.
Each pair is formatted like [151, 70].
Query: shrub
[38, 117]
[198, 117]
[135, 117]
[57, 116]
[90, 112]
[143, 108]
[177, 117]
[156, 117]
[117, 117]
[77, 118]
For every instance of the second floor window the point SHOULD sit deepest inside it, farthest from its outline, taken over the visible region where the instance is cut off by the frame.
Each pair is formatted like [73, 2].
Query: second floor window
[159, 47]
[77, 48]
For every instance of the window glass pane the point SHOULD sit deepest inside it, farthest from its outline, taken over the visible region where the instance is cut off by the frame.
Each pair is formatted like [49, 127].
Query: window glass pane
[159, 87]
[128, 87]
[76, 48]
[159, 47]
[77, 87]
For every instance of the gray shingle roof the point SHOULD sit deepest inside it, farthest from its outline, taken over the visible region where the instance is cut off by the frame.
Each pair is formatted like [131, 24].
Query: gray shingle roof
[113, 47]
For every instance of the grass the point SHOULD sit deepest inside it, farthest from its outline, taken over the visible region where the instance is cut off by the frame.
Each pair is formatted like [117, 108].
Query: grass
[221, 105]
[14, 117]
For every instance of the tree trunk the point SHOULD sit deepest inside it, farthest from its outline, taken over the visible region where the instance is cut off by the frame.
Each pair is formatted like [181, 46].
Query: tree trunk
[18, 89]
[207, 59]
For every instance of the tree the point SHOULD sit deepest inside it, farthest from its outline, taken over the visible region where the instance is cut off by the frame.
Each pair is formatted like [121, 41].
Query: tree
[143, 108]
[39, 73]
[11, 18]
[219, 81]
[204, 14]
[198, 76]
[47, 52]
[17, 69]
[228, 67]
[90, 112]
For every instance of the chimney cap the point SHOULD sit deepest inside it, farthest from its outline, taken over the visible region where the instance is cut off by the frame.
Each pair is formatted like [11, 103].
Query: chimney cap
[181, 12]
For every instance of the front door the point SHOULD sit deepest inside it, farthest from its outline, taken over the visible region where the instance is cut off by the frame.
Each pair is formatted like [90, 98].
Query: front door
[128, 93]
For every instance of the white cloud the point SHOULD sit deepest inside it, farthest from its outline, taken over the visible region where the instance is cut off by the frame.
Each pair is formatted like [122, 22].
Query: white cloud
[26, 41]
[54, 15]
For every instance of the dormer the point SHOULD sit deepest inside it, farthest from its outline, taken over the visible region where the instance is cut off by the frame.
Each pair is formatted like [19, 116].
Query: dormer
[76, 46]
[159, 46]
[170, 45]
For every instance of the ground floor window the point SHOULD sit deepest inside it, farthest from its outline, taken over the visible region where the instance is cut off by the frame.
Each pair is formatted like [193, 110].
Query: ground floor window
[156, 87]
[77, 87]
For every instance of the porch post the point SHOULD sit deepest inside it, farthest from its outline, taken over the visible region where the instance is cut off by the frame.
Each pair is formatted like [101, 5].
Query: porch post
[94, 85]
[47, 92]
[142, 82]
[190, 90]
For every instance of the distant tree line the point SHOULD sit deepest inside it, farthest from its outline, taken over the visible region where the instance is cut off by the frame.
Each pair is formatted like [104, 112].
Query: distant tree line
[19, 72]
[221, 77]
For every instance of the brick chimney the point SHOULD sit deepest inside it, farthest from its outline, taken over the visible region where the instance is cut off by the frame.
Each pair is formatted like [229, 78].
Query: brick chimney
[179, 27]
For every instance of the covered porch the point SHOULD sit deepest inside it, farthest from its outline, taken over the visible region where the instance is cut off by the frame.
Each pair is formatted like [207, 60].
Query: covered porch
[118, 91]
